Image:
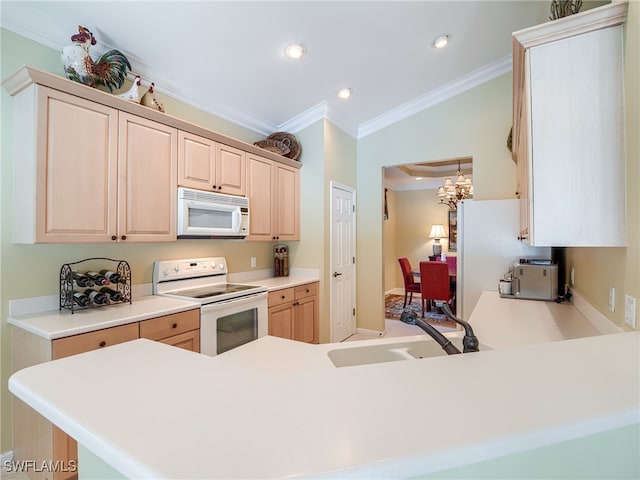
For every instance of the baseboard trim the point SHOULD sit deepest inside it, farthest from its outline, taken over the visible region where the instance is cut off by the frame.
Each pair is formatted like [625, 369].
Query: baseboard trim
[366, 331]
[597, 319]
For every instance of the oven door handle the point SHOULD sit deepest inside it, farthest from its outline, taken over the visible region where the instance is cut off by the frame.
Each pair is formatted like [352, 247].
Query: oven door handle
[236, 301]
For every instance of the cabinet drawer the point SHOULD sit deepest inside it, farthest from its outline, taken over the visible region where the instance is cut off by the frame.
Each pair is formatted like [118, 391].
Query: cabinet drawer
[65, 347]
[169, 325]
[281, 296]
[307, 290]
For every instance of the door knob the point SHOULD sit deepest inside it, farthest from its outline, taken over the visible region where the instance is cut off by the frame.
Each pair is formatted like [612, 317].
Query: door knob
[336, 274]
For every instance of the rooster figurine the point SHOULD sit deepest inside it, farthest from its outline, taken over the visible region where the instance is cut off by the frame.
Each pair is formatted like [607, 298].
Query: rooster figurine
[133, 94]
[150, 100]
[109, 70]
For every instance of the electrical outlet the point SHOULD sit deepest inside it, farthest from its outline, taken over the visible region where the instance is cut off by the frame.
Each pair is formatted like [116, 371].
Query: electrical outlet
[612, 299]
[630, 311]
[253, 262]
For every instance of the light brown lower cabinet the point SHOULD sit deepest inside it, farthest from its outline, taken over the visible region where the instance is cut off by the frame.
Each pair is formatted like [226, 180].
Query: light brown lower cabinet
[293, 313]
[35, 438]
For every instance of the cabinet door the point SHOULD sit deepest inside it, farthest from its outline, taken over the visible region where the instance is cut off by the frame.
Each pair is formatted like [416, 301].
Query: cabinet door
[287, 202]
[147, 194]
[65, 448]
[196, 161]
[577, 141]
[281, 320]
[259, 191]
[188, 340]
[230, 170]
[305, 320]
[76, 169]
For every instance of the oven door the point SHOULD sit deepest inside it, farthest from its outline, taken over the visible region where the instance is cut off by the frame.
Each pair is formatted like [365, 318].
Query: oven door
[231, 323]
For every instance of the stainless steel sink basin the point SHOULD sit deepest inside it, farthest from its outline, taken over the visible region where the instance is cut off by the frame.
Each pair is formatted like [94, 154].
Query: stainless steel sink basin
[390, 352]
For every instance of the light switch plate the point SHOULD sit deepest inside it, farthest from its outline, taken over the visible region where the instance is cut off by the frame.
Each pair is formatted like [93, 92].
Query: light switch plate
[630, 311]
[253, 262]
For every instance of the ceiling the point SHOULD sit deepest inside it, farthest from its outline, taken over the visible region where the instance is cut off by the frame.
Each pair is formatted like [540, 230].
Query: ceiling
[227, 57]
[428, 175]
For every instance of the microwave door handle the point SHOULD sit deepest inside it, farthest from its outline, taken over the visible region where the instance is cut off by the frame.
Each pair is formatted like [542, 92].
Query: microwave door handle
[238, 220]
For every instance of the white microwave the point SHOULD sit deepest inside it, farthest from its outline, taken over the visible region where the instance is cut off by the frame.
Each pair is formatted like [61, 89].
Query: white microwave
[211, 215]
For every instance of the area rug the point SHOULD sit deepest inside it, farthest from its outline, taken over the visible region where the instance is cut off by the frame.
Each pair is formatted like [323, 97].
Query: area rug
[393, 309]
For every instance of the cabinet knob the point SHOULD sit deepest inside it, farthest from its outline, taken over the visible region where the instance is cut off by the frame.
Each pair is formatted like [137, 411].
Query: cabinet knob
[213, 187]
[113, 237]
[123, 237]
[282, 297]
[102, 344]
[175, 325]
[522, 237]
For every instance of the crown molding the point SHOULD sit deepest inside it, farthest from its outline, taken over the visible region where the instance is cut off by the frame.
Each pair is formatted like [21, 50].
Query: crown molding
[52, 35]
[436, 96]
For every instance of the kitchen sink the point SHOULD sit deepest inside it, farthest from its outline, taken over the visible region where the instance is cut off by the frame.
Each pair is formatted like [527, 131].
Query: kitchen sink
[390, 352]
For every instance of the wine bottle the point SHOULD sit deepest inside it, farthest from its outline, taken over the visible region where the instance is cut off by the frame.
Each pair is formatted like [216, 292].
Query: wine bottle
[97, 278]
[81, 299]
[114, 295]
[82, 280]
[96, 297]
[112, 277]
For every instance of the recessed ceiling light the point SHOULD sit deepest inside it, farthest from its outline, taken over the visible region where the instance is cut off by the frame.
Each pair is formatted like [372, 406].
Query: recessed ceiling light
[295, 51]
[344, 93]
[441, 41]
[418, 178]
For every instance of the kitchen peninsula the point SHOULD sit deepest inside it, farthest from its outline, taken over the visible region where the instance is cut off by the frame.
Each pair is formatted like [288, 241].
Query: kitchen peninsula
[278, 408]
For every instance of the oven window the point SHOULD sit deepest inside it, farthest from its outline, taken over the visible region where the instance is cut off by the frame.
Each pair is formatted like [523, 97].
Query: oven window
[202, 218]
[236, 329]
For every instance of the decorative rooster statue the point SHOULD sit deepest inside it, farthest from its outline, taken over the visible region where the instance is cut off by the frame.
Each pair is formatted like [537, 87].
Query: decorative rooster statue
[109, 70]
[150, 100]
[133, 94]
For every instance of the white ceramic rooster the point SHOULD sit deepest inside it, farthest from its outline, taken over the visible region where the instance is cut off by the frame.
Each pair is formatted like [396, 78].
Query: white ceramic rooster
[133, 93]
[109, 70]
[150, 100]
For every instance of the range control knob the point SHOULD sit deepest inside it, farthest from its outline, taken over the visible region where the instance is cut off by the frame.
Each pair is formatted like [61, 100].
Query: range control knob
[165, 272]
[176, 268]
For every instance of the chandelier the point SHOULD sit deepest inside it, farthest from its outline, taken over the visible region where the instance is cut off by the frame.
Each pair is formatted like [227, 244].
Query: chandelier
[451, 193]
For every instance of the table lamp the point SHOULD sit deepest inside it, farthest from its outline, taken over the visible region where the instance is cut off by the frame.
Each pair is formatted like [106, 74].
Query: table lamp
[437, 232]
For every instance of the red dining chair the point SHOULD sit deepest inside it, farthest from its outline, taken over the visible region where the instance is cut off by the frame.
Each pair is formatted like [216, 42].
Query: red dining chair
[434, 284]
[453, 265]
[410, 286]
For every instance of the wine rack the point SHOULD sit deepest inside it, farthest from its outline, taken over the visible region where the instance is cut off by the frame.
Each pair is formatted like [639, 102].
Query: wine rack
[69, 288]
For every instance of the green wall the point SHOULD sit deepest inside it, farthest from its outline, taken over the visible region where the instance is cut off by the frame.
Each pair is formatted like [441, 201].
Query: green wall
[473, 124]
[33, 270]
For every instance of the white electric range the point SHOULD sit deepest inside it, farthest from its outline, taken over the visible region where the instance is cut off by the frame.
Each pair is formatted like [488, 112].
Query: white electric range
[231, 314]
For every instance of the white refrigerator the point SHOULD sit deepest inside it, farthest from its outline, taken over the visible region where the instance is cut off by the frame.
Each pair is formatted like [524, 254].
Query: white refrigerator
[487, 245]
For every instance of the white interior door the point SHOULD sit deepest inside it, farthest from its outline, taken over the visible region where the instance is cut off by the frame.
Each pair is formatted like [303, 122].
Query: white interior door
[343, 254]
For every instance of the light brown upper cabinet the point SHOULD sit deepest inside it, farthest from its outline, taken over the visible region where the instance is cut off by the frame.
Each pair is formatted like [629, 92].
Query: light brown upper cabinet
[147, 174]
[86, 173]
[569, 129]
[274, 199]
[204, 164]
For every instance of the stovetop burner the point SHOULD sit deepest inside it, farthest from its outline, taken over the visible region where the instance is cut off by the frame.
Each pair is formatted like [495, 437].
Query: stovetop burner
[202, 280]
[211, 290]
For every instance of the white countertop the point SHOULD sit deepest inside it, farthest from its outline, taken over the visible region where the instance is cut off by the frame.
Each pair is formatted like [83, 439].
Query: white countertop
[513, 322]
[51, 324]
[277, 408]
[54, 324]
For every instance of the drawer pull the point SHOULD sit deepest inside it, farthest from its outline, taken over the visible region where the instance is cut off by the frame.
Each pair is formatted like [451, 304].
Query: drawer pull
[282, 297]
[175, 325]
[102, 344]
